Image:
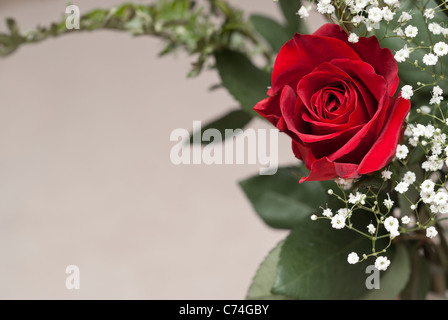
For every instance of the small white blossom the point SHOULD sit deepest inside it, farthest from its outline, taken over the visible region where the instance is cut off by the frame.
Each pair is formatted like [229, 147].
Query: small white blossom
[430, 59]
[325, 8]
[402, 187]
[441, 48]
[388, 203]
[440, 197]
[394, 233]
[435, 28]
[327, 213]
[411, 31]
[355, 198]
[388, 15]
[353, 38]
[409, 177]
[303, 12]
[407, 92]
[386, 174]
[381, 263]
[429, 131]
[371, 228]
[375, 14]
[433, 208]
[399, 32]
[442, 208]
[357, 19]
[391, 223]
[313, 217]
[391, 2]
[405, 17]
[405, 220]
[402, 54]
[427, 196]
[353, 258]
[429, 13]
[402, 151]
[425, 109]
[338, 221]
[427, 185]
[431, 232]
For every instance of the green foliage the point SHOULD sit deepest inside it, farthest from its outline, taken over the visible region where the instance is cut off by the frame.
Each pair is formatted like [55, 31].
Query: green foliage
[262, 283]
[281, 201]
[197, 29]
[235, 119]
[313, 263]
[394, 279]
[245, 82]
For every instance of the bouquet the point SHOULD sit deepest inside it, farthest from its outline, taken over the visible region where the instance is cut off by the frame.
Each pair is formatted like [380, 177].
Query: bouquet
[362, 101]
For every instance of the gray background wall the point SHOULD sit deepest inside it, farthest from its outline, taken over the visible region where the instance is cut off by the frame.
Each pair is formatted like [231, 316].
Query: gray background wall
[86, 179]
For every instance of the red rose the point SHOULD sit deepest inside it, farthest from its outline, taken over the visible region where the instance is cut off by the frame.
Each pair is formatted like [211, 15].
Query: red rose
[335, 100]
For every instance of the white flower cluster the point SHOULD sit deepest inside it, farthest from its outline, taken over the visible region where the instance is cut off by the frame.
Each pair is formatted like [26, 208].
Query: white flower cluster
[421, 189]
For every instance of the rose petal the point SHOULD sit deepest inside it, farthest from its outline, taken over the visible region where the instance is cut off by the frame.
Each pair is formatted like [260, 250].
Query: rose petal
[298, 57]
[386, 144]
[370, 51]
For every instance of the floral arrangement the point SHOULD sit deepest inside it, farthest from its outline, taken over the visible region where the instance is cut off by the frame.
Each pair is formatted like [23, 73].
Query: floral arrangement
[362, 100]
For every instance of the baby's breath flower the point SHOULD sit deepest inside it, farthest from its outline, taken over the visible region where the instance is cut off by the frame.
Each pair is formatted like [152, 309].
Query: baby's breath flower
[407, 92]
[371, 228]
[402, 151]
[405, 17]
[405, 220]
[430, 59]
[411, 31]
[388, 15]
[391, 223]
[427, 196]
[353, 38]
[353, 258]
[431, 232]
[313, 217]
[386, 174]
[437, 91]
[327, 213]
[425, 109]
[440, 197]
[442, 208]
[409, 177]
[391, 2]
[388, 203]
[402, 54]
[338, 221]
[402, 187]
[303, 12]
[381, 263]
[435, 28]
[441, 48]
[375, 14]
[429, 13]
[427, 185]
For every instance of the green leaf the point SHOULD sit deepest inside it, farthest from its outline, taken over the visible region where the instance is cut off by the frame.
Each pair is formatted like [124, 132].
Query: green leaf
[245, 82]
[313, 262]
[280, 200]
[273, 32]
[262, 283]
[236, 119]
[394, 280]
[420, 280]
[289, 9]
